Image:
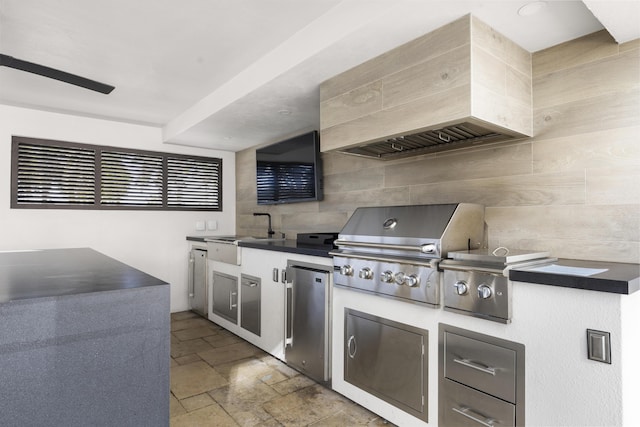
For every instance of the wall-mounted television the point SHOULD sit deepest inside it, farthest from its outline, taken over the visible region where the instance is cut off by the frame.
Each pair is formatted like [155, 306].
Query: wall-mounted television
[290, 171]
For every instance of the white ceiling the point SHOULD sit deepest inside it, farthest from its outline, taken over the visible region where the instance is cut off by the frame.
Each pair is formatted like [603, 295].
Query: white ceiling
[231, 74]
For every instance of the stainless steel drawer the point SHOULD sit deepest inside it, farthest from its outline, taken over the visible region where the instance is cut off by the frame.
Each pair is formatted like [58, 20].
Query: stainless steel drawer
[483, 366]
[464, 406]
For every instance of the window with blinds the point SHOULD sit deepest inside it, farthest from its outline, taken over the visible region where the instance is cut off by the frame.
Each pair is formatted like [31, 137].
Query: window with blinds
[56, 174]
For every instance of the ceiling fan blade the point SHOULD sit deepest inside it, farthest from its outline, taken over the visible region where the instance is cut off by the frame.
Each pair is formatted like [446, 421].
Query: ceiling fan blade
[52, 73]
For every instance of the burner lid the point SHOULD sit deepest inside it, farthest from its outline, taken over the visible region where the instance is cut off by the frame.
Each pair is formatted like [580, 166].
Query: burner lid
[499, 255]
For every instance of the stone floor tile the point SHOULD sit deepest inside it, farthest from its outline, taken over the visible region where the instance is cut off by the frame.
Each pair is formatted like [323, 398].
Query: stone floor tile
[362, 416]
[196, 402]
[219, 356]
[222, 340]
[253, 418]
[197, 322]
[193, 379]
[238, 370]
[185, 360]
[183, 315]
[175, 408]
[209, 416]
[293, 384]
[244, 400]
[281, 405]
[184, 348]
[173, 363]
[273, 377]
[299, 416]
[193, 333]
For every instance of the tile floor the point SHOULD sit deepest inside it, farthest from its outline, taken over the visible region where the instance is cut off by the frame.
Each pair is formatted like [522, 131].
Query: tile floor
[218, 379]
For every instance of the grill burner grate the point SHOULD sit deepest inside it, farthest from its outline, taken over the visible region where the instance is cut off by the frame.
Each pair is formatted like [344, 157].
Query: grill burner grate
[460, 135]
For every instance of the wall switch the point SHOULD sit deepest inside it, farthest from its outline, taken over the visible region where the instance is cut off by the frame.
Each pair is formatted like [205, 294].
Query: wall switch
[200, 226]
[599, 346]
[212, 224]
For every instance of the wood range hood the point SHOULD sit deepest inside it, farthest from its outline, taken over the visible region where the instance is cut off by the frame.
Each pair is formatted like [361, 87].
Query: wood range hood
[461, 85]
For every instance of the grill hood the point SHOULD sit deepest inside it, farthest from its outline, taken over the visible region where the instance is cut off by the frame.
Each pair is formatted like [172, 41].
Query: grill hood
[402, 231]
[461, 85]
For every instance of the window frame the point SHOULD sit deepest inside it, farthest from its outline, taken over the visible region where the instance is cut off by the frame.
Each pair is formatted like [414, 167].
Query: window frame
[97, 204]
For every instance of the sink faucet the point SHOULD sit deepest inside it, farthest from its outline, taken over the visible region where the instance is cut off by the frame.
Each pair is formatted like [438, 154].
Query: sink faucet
[270, 231]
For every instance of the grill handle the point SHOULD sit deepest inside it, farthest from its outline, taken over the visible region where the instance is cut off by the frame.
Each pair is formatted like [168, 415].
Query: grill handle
[427, 248]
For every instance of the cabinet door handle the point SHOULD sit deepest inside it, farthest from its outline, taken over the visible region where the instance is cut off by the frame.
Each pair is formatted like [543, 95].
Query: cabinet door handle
[251, 284]
[473, 365]
[352, 339]
[231, 304]
[192, 265]
[467, 412]
[288, 329]
[275, 274]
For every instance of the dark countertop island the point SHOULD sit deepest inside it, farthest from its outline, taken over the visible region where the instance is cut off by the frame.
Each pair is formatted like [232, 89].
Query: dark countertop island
[58, 272]
[84, 341]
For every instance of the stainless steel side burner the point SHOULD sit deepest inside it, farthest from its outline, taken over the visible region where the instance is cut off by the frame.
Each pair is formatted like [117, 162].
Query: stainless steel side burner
[476, 281]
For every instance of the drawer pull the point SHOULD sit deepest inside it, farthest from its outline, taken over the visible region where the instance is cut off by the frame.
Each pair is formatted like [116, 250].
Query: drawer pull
[466, 412]
[477, 366]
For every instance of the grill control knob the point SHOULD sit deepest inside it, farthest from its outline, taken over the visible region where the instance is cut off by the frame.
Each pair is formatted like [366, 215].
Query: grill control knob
[461, 287]
[346, 270]
[411, 280]
[484, 291]
[399, 278]
[428, 248]
[387, 277]
[365, 273]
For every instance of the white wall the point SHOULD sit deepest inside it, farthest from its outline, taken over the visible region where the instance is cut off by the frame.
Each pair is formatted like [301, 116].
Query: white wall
[151, 241]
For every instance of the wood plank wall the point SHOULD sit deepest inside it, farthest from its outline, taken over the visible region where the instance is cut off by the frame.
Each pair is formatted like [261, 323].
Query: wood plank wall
[573, 189]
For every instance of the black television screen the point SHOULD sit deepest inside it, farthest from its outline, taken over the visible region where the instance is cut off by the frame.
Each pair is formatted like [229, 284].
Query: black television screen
[289, 171]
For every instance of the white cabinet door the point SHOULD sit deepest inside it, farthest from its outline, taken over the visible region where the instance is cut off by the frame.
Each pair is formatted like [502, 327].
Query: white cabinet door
[261, 263]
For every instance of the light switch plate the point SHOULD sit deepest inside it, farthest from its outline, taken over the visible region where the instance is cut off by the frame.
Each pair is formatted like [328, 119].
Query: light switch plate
[200, 226]
[599, 346]
[212, 224]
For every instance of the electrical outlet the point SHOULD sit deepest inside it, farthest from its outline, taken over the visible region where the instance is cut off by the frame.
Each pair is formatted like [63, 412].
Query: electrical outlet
[212, 224]
[200, 226]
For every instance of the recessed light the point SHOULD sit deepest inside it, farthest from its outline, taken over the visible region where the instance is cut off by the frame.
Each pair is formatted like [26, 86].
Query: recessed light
[284, 112]
[532, 8]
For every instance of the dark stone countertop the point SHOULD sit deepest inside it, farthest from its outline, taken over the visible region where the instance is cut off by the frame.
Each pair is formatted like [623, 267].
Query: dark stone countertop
[59, 272]
[619, 278]
[291, 246]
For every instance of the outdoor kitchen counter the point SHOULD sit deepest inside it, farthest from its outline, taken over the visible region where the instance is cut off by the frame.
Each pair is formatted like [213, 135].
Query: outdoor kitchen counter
[619, 278]
[85, 336]
[290, 246]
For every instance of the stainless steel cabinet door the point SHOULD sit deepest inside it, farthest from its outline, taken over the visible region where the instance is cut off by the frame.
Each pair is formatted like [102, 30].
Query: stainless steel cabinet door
[225, 296]
[307, 349]
[250, 303]
[387, 359]
[198, 282]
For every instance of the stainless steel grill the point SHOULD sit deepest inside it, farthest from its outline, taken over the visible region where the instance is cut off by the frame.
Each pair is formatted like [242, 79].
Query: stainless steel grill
[394, 251]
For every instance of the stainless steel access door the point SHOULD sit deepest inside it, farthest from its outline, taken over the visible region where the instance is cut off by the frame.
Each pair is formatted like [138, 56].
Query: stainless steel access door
[387, 359]
[307, 346]
[198, 282]
[225, 296]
